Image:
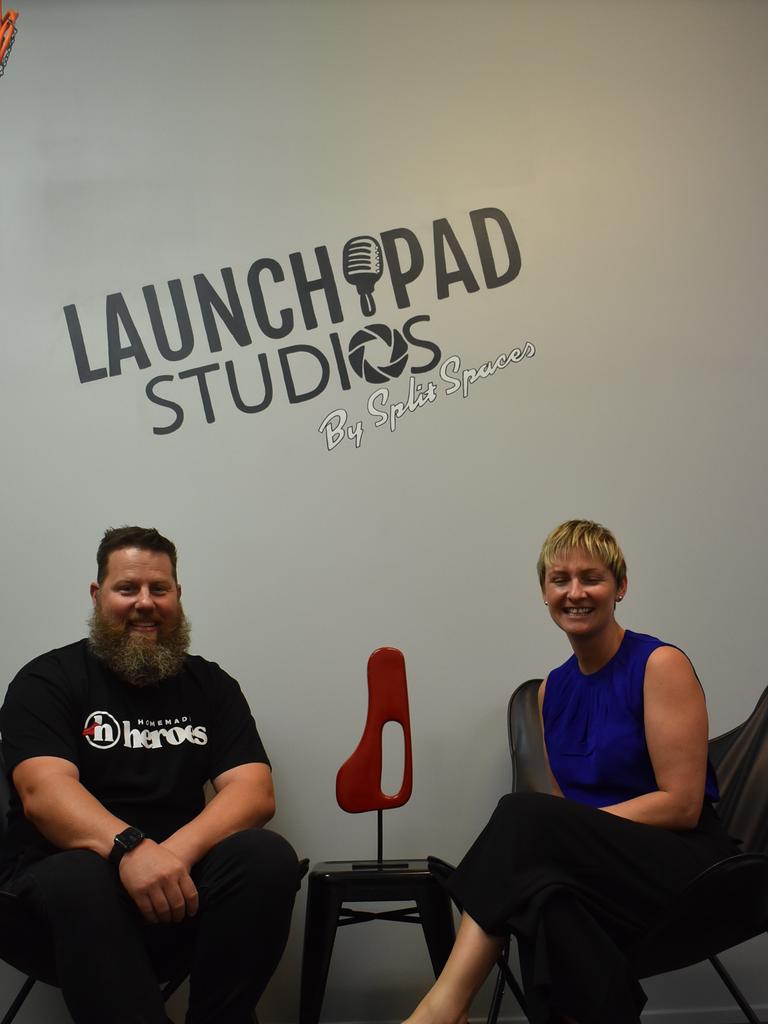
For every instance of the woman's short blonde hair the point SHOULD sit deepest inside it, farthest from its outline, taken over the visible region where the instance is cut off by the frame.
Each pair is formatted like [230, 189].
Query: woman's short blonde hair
[583, 535]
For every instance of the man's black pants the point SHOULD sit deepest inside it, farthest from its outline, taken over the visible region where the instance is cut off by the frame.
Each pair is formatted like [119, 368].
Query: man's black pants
[108, 959]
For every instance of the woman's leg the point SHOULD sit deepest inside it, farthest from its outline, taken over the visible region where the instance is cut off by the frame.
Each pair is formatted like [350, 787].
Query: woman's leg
[576, 886]
[473, 955]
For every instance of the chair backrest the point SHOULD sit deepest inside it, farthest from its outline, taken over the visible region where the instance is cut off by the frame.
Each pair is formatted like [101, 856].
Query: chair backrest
[358, 782]
[5, 797]
[526, 743]
[740, 758]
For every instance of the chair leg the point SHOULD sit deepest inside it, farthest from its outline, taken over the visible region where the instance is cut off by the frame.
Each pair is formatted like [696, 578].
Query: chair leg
[514, 985]
[15, 1006]
[735, 991]
[436, 917]
[319, 935]
[498, 989]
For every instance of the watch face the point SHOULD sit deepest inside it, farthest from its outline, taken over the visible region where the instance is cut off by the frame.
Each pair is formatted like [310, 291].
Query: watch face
[129, 838]
[125, 841]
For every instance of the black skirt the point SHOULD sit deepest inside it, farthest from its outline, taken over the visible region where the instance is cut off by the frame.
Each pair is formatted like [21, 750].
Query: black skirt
[578, 887]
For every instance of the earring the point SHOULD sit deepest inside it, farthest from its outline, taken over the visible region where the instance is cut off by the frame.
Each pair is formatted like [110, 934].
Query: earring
[546, 603]
[620, 597]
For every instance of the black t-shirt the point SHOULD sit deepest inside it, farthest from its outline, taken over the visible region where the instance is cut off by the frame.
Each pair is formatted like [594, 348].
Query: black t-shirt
[144, 752]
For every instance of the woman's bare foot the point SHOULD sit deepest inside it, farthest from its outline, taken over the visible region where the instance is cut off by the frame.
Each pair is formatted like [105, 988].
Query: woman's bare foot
[469, 964]
[434, 1010]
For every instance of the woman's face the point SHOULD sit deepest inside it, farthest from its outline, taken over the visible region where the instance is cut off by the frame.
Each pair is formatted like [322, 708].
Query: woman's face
[581, 592]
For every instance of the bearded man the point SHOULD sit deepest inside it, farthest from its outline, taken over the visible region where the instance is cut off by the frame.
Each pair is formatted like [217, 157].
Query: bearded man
[111, 849]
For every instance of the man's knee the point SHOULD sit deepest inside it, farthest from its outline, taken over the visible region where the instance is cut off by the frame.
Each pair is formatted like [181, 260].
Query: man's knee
[255, 857]
[269, 854]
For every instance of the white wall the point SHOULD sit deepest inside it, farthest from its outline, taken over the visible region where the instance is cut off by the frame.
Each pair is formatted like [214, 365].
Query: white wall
[626, 144]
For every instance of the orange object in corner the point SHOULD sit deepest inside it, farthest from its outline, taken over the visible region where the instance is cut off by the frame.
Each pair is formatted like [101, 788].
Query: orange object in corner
[7, 31]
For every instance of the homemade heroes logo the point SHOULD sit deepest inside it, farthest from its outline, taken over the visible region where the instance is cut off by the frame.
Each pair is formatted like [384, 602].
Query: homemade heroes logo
[103, 731]
[282, 299]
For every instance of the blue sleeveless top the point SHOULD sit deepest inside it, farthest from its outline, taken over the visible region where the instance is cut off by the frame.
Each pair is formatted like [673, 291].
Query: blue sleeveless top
[594, 728]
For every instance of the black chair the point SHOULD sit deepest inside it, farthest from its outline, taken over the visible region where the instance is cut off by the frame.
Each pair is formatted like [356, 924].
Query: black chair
[725, 905]
[335, 883]
[18, 933]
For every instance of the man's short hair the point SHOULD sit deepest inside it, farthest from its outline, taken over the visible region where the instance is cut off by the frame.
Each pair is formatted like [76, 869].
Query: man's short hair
[143, 537]
[582, 535]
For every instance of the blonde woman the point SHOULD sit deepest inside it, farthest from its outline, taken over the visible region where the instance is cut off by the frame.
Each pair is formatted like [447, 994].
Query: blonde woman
[579, 874]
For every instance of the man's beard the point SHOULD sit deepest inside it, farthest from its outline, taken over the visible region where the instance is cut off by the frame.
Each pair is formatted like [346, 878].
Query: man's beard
[139, 660]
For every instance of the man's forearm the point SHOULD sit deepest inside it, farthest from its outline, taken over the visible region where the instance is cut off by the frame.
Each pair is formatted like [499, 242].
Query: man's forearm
[69, 816]
[237, 806]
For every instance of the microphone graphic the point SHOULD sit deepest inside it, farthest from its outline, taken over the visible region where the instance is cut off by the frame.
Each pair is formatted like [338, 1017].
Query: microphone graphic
[363, 266]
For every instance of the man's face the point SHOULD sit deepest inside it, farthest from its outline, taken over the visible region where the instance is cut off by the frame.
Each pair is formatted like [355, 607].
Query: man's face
[138, 597]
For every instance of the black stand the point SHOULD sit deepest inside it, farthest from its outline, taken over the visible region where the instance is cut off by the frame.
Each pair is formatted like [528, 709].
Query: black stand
[383, 865]
[335, 883]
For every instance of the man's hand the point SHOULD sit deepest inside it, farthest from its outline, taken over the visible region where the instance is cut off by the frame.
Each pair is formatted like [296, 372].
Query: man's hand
[159, 883]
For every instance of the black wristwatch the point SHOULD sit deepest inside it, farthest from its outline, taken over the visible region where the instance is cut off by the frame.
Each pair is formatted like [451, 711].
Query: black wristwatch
[125, 841]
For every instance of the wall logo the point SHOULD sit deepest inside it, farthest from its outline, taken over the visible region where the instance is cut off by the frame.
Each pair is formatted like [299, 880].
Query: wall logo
[458, 381]
[233, 331]
[377, 373]
[363, 266]
[103, 731]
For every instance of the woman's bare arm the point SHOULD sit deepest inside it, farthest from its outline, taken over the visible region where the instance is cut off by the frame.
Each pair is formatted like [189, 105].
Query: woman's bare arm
[676, 730]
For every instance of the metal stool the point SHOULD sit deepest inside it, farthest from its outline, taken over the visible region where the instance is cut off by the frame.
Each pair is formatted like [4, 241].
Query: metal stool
[335, 883]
